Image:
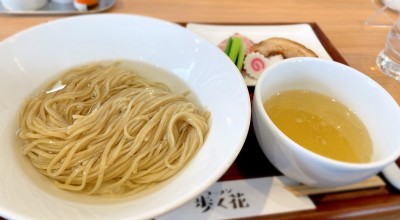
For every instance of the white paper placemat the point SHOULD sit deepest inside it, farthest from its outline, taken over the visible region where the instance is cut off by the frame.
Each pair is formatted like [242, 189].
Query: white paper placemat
[242, 198]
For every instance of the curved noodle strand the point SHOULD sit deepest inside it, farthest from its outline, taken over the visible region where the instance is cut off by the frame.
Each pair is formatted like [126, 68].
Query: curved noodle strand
[110, 132]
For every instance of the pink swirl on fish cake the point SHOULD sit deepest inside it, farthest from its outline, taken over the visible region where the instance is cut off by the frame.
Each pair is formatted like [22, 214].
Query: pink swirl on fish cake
[254, 64]
[257, 64]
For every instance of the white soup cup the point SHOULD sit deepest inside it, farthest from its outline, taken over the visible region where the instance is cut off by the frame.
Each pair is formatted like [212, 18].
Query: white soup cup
[371, 103]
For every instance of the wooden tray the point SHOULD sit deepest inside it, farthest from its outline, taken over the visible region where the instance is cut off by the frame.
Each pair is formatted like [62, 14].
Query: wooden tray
[382, 202]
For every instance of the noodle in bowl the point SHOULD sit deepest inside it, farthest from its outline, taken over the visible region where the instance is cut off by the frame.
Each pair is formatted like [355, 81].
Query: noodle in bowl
[210, 97]
[102, 129]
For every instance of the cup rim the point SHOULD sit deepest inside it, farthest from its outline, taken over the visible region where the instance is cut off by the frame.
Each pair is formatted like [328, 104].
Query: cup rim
[381, 162]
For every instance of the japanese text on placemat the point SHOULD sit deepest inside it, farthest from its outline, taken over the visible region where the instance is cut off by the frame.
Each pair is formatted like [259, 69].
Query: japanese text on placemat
[226, 198]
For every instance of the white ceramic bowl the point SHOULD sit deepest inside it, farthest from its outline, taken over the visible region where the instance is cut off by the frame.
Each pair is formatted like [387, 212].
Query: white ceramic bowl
[23, 5]
[370, 102]
[31, 57]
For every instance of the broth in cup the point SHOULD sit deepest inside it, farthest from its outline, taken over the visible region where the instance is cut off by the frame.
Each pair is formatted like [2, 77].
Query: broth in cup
[320, 124]
[374, 107]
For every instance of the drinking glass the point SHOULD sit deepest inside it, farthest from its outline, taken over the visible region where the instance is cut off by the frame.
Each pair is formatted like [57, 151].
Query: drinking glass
[388, 59]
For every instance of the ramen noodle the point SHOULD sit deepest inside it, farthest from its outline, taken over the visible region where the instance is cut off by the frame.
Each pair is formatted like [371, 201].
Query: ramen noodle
[101, 129]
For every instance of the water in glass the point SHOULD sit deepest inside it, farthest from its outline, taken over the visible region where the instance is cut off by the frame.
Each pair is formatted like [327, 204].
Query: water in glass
[388, 59]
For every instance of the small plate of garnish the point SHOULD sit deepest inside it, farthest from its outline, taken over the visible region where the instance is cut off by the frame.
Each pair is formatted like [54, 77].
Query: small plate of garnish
[253, 48]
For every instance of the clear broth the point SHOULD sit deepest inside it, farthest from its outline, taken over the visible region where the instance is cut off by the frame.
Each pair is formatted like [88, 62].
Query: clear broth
[320, 124]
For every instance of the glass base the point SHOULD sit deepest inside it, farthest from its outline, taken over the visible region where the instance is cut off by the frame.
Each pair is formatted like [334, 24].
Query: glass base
[388, 66]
